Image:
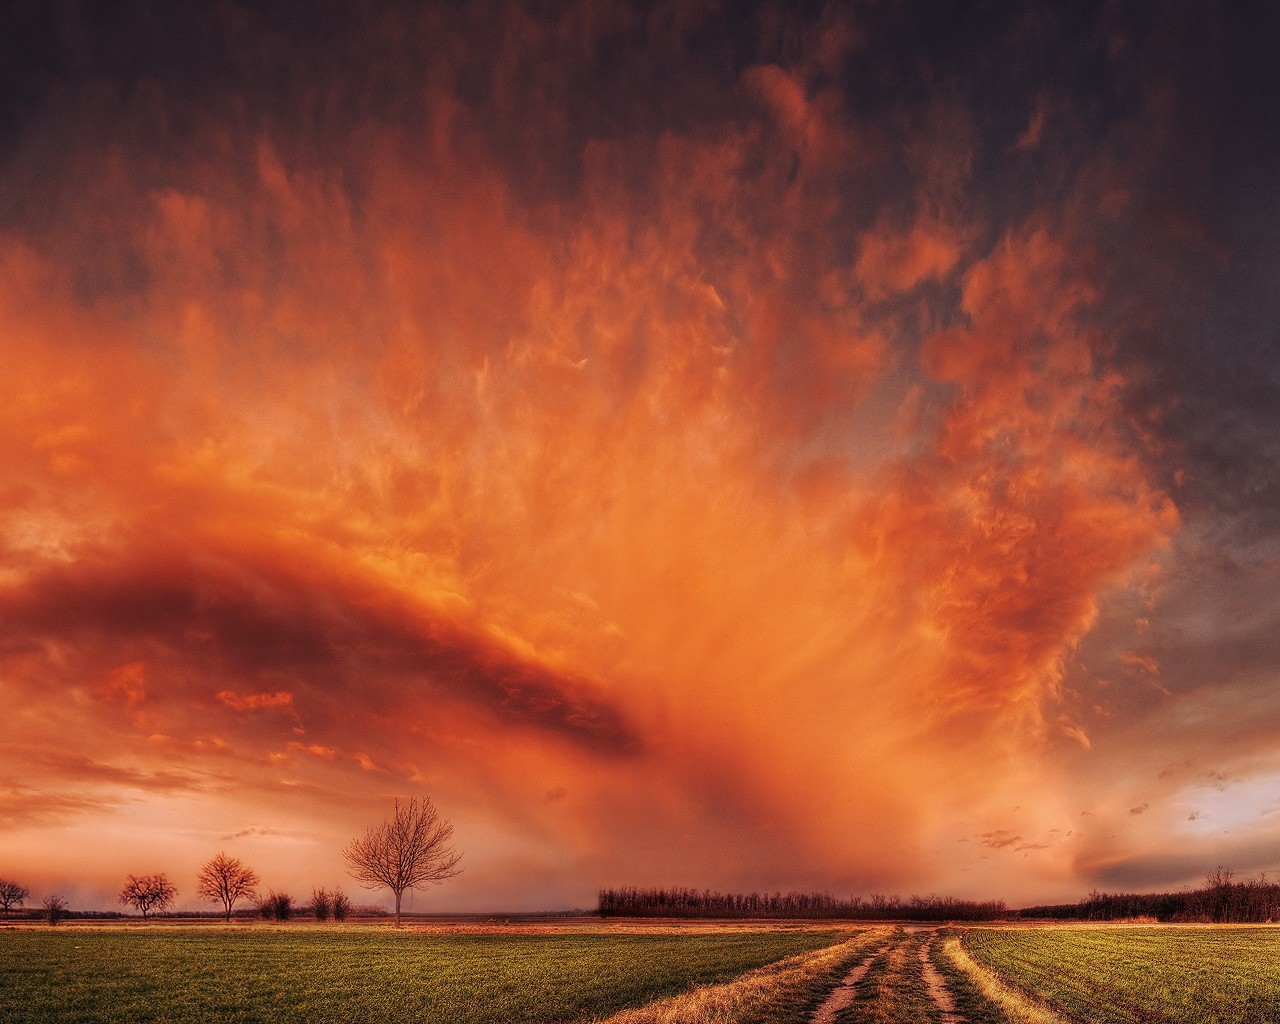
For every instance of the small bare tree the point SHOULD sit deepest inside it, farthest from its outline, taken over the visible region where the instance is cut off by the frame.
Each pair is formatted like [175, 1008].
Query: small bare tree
[409, 850]
[225, 880]
[12, 895]
[148, 893]
[55, 909]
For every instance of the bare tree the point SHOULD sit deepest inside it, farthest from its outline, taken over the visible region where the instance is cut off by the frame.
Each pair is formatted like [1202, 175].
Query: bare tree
[148, 893]
[55, 909]
[409, 850]
[12, 895]
[225, 880]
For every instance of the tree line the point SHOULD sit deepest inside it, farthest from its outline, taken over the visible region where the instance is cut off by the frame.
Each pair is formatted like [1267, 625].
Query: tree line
[226, 881]
[683, 902]
[223, 880]
[1221, 900]
[408, 851]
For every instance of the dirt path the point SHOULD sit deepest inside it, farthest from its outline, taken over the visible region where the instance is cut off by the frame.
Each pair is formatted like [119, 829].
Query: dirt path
[843, 995]
[939, 991]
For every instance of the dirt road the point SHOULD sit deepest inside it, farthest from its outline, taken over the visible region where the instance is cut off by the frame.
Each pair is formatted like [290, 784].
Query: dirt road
[895, 981]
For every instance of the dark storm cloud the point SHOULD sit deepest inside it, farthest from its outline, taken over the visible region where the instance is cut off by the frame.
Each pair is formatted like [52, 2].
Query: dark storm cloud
[1199, 259]
[1185, 867]
[350, 649]
[73, 767]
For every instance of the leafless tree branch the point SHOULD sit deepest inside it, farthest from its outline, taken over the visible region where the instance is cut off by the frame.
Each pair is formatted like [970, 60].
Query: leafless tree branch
[409, 850]
[225, 880]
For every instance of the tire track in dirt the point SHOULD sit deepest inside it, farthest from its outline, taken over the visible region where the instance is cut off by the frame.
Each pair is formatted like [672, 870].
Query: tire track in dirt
[939, 990]
[842, 996]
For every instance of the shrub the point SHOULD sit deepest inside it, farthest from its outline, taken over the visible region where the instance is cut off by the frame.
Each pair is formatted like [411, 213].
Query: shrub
[283, 906]
[55, 909]
[321, 904]
[340, 905]
[276, 906]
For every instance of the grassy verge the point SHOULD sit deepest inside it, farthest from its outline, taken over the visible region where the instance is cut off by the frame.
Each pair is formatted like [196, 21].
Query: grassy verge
[1140, 975]
[994, 995]
[361, 976]
[973, 1000]
[782, 993]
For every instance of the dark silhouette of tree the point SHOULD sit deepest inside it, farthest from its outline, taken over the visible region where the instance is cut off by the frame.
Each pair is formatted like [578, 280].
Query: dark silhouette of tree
[409, 850]
[12, 895]
[148, 893]
[55, 909]
[225, 880]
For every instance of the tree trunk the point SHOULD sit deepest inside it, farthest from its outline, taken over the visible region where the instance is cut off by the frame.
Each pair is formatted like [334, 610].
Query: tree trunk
[398, 909]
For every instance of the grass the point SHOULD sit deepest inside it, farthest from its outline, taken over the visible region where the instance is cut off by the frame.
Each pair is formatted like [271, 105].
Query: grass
[782, 993]
[182, 976]
[1140, 975]
[708, 975]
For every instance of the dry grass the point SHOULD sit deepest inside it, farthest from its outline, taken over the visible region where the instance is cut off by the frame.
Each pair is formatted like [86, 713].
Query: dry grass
[782, 992]
[1016, 1006]
[586, 924]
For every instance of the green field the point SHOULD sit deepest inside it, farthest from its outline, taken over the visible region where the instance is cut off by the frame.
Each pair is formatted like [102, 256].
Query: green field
[205, 974]
[989, 975]
[1132, 975]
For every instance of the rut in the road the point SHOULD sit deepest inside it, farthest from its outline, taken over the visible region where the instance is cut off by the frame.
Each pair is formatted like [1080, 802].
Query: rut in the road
[939, 991]
[843, 995]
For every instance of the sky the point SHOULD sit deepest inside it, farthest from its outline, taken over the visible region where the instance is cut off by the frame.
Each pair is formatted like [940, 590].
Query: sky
[746, 446]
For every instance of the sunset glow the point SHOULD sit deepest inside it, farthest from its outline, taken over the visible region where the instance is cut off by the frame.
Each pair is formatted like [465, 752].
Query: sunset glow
[745, 450]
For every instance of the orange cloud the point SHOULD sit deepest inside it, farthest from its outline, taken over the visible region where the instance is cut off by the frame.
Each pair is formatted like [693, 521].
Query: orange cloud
[576, 496]
[890, 262]
[128, 683]
[254, 701]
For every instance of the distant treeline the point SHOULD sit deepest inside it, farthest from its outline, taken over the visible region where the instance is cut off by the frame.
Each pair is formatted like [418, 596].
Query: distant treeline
[1222, 900]
[633, 902]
